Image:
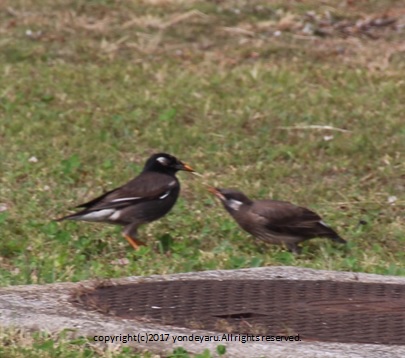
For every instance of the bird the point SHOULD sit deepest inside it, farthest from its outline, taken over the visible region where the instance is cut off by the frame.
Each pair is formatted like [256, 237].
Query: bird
[273, 221]
[146, 198]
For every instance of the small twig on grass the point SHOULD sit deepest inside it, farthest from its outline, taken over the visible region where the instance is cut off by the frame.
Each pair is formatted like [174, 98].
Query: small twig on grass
[238, 31]
[382, 203]
[315, 126]
[182, 17]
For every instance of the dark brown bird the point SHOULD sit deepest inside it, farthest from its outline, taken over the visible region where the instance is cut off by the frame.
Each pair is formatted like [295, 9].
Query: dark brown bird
[144, 199]
[273, 221]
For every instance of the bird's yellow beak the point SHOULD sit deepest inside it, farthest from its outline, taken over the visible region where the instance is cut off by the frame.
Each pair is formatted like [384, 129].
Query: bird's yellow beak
[187, 168]
[216, 192]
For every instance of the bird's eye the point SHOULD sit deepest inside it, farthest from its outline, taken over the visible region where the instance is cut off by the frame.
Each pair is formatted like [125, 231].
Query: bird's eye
[163, 161]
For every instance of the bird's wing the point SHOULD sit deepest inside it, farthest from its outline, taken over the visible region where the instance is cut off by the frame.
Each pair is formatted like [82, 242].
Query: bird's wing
[90, 203]
[287, 218]
[140, 189]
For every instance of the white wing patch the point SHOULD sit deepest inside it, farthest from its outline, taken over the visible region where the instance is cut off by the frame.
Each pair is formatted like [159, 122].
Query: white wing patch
[116, 215]
[234, 204]
[165, 195]
[125, 199]
[324, 224]
[99, 215]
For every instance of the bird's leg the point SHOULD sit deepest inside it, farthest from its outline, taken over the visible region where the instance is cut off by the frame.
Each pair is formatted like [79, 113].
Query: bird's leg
[294, 248]
[130, 234]
[133, 242]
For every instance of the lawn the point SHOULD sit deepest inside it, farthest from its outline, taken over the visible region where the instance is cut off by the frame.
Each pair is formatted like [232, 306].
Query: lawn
[291, 100]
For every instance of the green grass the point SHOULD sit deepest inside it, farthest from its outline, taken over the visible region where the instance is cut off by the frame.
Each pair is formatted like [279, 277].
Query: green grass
[97, 86]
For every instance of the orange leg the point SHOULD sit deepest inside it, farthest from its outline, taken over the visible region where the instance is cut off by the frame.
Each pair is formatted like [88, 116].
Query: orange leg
[133, 242]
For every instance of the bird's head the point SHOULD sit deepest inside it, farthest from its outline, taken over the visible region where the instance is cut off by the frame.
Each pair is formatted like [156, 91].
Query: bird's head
[232, 199]
[166, 163]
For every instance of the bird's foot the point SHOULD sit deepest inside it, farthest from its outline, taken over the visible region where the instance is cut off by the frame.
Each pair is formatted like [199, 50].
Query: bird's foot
[134, 242]
[294, 248]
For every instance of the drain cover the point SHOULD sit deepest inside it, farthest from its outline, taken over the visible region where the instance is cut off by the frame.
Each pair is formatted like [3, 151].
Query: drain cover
[329, 311]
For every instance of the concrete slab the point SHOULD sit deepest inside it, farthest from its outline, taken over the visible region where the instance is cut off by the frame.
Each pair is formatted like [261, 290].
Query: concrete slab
[48, 308]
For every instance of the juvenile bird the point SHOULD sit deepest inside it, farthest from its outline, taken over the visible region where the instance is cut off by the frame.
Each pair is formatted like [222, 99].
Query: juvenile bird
[273, 221]
[144, 199]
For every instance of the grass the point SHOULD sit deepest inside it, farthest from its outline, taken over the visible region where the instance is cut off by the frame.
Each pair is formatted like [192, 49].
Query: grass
[89, 89]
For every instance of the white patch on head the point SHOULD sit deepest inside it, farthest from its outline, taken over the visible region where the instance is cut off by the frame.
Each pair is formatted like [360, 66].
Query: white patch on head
[99, 215]
[163, 160]
[234, 204]
[125, 199]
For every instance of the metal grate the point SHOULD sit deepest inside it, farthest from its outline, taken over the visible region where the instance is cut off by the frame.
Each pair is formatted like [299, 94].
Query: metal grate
[350, 312]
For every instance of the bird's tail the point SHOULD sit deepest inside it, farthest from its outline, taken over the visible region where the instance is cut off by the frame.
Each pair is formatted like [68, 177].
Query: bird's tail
[338, 239]
[75, 216]
[68, 217]
[330, 233]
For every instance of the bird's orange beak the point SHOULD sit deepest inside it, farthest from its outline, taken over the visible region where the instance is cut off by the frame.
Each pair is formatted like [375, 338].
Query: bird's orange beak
[216, 192]
[186, 167]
